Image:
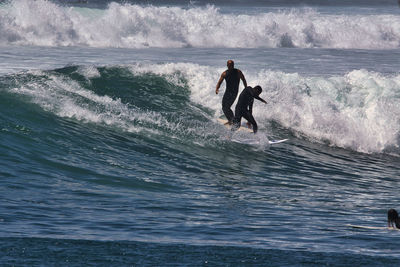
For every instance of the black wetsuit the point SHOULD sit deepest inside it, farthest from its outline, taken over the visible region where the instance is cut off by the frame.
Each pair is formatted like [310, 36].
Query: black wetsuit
[244, 108]
[232, 80]
[393, 217]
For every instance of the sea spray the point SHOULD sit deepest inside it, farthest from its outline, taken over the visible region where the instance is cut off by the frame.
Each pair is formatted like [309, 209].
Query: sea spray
[24, 22]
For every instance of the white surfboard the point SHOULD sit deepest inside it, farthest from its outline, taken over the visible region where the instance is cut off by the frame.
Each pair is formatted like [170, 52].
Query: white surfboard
[256, 142]
[370, 227]
[245, 128]
[272, 142]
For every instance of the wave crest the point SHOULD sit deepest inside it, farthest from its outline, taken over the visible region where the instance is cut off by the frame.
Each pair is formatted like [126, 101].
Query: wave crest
[43, 23]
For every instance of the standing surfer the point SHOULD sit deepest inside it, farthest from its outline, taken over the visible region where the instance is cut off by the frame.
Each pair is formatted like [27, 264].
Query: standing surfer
[232, 78]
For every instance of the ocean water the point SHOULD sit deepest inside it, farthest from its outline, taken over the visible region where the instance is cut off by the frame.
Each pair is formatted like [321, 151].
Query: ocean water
[110, 153]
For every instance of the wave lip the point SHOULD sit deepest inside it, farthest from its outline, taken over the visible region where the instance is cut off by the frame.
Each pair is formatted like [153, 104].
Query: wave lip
[43, 23]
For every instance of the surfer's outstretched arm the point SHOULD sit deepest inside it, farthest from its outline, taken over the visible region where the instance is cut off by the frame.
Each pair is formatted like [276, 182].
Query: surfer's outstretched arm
[259, 98]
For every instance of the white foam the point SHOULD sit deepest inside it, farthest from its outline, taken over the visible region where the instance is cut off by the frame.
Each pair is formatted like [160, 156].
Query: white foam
[89, 72]
[359, 110]
[44, 23]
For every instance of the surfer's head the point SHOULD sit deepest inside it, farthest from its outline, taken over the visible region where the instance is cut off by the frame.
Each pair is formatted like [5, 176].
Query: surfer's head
[257, 90]
[230, 64]
[393, 216]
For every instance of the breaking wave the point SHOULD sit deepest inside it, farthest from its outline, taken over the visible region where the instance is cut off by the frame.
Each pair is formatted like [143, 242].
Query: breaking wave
[43, 23]
[357, 111]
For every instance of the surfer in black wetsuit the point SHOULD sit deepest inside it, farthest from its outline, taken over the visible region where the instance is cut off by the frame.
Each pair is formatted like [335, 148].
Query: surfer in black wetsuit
[244, 107]
[232, 78]
[393, 219]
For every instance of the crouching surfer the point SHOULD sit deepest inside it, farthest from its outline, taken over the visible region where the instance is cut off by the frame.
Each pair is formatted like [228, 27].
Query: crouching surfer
[244, 107]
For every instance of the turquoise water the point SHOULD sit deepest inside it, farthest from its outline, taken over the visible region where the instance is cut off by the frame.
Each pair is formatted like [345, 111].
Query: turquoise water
[111, 154]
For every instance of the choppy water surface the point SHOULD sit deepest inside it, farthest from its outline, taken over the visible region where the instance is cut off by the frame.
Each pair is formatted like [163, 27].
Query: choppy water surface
[110, 152]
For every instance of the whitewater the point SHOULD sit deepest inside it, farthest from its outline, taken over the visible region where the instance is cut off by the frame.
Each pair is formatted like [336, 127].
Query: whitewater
[111, 154]
[43, 23]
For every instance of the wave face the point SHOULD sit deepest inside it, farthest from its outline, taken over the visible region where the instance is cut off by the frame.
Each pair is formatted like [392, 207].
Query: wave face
[43, 23]
[357, 111]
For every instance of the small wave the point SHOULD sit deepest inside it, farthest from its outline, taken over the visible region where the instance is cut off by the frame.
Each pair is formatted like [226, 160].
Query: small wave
[43, 23]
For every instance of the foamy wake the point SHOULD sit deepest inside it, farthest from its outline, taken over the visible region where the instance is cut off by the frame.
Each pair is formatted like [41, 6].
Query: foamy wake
[25, 22]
